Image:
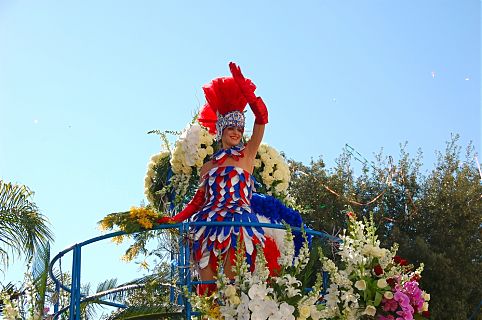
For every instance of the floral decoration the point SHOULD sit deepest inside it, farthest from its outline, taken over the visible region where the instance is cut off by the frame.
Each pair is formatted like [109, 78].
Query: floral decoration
[372, 281]
[136, 219]
[273, 171]
[192, 149]
[156, 178]
[256, 295]
[369, 282]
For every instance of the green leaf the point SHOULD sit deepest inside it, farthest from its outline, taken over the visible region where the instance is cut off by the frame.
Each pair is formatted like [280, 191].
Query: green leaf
[378, 299]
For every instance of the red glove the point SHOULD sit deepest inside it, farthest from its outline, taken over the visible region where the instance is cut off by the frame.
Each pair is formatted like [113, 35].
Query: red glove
[247, 88]
[192, 207]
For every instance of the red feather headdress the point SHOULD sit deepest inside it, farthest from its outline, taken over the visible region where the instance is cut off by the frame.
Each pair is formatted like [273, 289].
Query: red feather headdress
[223, 96]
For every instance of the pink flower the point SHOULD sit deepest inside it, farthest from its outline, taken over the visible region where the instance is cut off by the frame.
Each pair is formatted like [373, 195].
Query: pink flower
[405, 315]
[389, 304]
[402, 299]
[388, 317]
[412, 290]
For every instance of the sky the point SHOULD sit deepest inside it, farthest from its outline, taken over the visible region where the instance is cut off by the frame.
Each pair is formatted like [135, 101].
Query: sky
[81, 84]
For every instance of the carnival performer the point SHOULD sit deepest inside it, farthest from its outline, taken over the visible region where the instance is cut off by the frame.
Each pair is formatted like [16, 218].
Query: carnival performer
[227, 185]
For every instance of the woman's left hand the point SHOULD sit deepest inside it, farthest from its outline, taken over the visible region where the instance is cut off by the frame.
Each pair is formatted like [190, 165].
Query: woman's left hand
[246, 86]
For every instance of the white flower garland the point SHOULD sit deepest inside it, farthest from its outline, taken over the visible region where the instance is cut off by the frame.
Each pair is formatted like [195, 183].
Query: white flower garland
[273, 169]
[191, 149]
[151, 173]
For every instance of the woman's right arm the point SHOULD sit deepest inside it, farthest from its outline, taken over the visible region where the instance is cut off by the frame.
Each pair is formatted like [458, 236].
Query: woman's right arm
[194, 205]
[191, 208]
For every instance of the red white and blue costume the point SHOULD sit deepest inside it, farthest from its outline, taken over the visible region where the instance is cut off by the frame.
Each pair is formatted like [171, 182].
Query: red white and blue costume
[227, 192]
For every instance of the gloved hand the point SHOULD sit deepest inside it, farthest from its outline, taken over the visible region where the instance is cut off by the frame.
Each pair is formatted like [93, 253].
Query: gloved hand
[247, 88]
[192, 207]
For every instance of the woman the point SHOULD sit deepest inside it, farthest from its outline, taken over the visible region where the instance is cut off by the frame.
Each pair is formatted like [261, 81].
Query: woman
[227, 184]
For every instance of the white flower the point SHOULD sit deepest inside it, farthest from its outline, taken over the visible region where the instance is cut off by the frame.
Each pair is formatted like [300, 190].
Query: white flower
[332, 296]
[262, 309]
[370, 310]
[209, 150]
[234, 300]
[291, 292]
[230, 291]
[425, 306]
[315, 314]
[361, 285]
[258, 291]
[382, 283]
[285, 312]
[287, 254]
[228, 312]
[426, 296]
[388, 295]
[242, 311]
[257, 163]
[275, 169]
[350, 298]
[304, 311]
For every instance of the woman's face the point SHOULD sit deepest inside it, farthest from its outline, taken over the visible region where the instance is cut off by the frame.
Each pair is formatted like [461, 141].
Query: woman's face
[231, 136]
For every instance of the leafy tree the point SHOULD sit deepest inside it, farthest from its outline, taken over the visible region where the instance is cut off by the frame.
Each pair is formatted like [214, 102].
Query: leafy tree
[446, 234]
[436, 219]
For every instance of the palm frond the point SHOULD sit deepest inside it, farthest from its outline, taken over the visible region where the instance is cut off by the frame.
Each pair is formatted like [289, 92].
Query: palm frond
[115, 294]
[23, 230]
[148, 312]
[106, 285]
[40, 274]
[108, 290]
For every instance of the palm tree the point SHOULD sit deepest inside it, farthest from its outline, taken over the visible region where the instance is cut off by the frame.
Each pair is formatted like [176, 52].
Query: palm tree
[23, 230]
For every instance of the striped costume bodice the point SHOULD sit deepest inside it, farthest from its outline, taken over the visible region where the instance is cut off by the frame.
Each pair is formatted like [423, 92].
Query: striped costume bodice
[228, 195]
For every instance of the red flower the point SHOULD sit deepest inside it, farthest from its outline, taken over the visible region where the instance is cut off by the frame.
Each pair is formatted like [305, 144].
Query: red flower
[351, 214]
[415, 277]
[392, 282]
[426, 314]
[400, 261]
[378, 270]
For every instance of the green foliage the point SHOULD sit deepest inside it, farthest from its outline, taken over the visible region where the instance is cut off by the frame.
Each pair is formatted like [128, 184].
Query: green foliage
[436, 218]
[23, 230]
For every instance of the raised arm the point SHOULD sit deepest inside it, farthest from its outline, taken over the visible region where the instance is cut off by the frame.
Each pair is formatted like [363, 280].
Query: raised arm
[257, 106]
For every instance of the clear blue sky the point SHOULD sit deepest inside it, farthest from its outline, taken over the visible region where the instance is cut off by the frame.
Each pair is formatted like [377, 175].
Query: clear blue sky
[82, 82]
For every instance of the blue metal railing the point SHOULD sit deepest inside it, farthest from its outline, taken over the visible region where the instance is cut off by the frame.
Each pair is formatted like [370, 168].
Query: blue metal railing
[76, 298]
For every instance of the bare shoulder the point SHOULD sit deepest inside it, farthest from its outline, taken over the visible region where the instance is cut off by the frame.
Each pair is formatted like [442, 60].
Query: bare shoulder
[205, 168]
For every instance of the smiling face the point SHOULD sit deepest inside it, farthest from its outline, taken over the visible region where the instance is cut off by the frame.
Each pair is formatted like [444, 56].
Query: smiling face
[231, 137]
